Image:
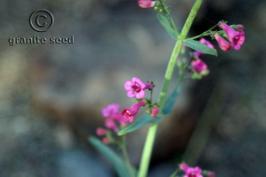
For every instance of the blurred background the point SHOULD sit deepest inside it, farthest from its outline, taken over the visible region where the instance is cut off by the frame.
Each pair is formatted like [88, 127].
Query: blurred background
[51, 95]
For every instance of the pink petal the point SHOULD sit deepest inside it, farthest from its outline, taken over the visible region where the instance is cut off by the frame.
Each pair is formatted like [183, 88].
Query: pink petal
[136, 79]
[131, 94]
[127, 85]
[140, 95]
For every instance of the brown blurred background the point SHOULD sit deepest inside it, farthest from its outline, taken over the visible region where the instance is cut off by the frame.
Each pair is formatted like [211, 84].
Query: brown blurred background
[51, 95]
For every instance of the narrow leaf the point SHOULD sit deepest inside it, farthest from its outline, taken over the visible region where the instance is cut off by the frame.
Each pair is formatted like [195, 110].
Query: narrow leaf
[137, 124]
[113, 158]
[200, 47]
[171, 101]
[166, 23]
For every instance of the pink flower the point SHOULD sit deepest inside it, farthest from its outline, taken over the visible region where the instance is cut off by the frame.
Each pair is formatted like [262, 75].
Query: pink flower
[129, 114]
[106, 140]
[110, 123]
[110, 110]
[193, 172]
[111, 113]
[155, 111]
[146, 3]
[236, 37]
[199, 67]
[190, 171]
[135, 88]
[205, 42]
[101, 131]
[223, 44]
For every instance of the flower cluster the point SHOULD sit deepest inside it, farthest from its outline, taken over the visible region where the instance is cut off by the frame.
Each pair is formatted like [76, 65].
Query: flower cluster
[235, 37]
[116, 118]
[228, 38]
[188, 171]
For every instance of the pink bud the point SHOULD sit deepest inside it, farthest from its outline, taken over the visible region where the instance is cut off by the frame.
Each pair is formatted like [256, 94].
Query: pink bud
[146, 3]
[199, 67]
[110, 124]
[106, 140]
[101, 131]
[149, 85]
[155, 111]
[223, 44]
[206, 42]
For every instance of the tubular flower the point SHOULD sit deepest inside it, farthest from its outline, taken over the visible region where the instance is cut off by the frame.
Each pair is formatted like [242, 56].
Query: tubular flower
[129, 114]
[223, 44]
[206, 42]
[235, 36]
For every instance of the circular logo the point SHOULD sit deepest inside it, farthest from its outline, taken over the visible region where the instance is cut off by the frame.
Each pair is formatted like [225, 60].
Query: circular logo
[41, 20]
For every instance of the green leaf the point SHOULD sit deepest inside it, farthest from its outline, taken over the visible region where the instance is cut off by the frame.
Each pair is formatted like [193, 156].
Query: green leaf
[137, 124]
[196, 45]
[171, 101]
[166, 23]
[113, 158]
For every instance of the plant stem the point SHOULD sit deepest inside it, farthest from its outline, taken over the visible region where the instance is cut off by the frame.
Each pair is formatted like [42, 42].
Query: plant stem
[209, 32]
[146, 155]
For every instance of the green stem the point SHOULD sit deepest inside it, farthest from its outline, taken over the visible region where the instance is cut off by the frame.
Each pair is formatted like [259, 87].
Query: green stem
[146, 154]
[200, 35]
[209, 32]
